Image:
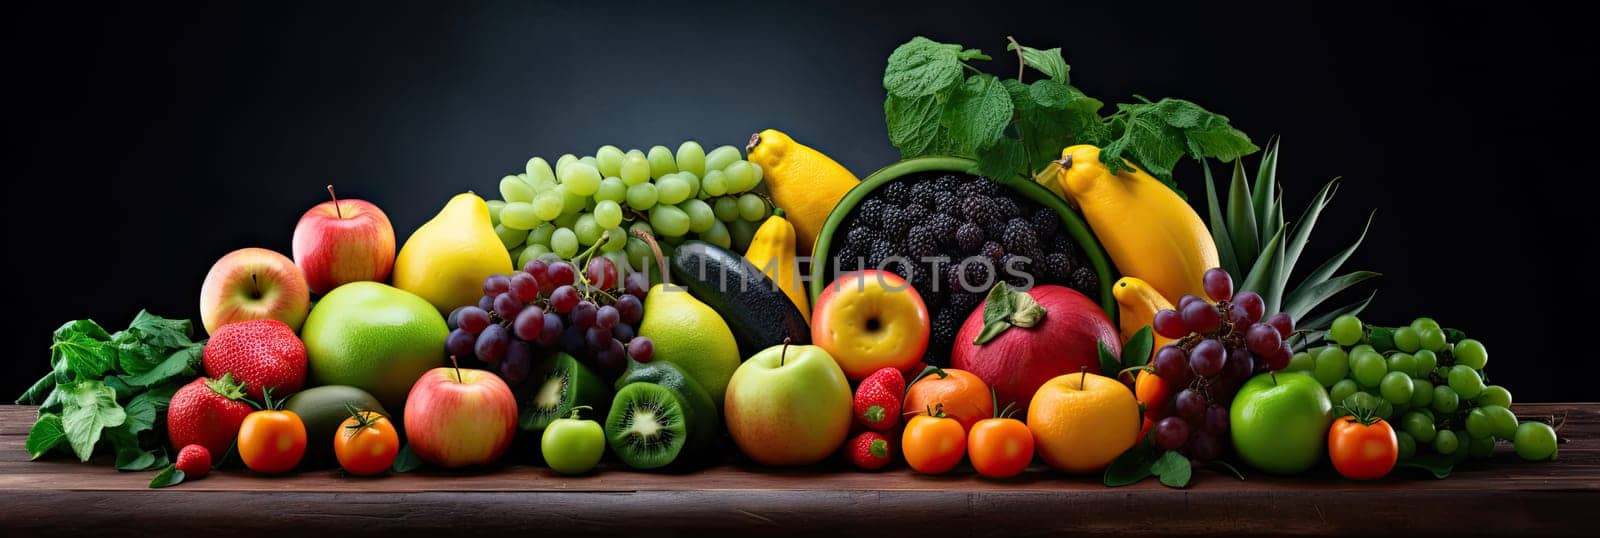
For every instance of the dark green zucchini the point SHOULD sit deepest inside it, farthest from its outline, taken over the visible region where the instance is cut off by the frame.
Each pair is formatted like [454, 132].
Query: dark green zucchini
[759, 313]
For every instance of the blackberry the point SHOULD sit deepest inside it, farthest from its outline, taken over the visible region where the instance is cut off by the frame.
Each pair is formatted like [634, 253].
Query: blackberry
[947, 201]
[976, 276]
[1085, 281]
[995, 230]
[1058, 265]
[995, 252]
[921, 242]
[962, 302]
[942, 336]
[916, 212]
[1019, 237]
[881, 250]
[1060, 243]
[867, 213]
[1045, 222]
[978, 186]
[943, 226]
[922, 193]
[896, 192]
[969, 237]
[1007, 207]
[894, 222]
[861, 236]
[946, 183]
[980, 209]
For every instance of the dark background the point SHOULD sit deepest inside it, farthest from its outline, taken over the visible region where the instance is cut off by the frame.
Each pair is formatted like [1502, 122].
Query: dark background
[156, 138]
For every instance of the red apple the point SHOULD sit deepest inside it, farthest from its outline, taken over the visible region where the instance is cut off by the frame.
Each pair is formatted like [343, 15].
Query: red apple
[343, 241]
[870, 320]
[254, 283]
[457, 417]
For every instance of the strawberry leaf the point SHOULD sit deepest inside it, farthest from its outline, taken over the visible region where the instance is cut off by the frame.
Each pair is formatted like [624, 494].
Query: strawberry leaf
[874, 413]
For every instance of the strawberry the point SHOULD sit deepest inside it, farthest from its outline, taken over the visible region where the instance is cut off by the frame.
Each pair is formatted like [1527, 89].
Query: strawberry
[868, 450]
[194, 461]
[877, 404]
[207, 412]
[263, 354]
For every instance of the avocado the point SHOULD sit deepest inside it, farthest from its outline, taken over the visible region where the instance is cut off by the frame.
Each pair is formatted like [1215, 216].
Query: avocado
[756, 309]
[322, 409]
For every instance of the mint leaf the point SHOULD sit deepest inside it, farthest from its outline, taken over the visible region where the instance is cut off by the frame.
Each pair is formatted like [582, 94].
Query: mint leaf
[130, 455]
[1053, 116]
[913, 123]
[161, 332]
[1047, 61]
[922, 67]
[168, 477]
[179, 363]
[1156, 135]
[973, 54]
[45, 436]
[88, 407]
[1006, 158]
[1220, 141]
[86, 357]
[1173, 468]
[978, 112]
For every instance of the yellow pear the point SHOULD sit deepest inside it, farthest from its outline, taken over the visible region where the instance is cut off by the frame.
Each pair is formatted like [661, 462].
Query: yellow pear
[446, 260]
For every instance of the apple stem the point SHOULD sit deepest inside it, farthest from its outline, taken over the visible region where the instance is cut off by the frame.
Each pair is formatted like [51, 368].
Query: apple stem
[457, 366]
[1083, 376]
[575, 411]
[335, 197]
[255, 287]
[784, 353]
[1274, 375]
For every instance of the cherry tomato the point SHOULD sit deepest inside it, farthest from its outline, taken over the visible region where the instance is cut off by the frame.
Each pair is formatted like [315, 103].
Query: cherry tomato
[1362, 450]
[366, 443]
[933, 444]
[1000, 447]
[272, 441]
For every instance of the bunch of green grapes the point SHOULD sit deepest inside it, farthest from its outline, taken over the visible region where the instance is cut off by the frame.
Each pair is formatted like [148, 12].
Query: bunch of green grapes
[1428, 382]
[565, 208]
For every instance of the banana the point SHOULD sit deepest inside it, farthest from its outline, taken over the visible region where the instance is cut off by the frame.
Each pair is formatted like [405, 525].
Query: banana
[1150, 233]
[1137, 304]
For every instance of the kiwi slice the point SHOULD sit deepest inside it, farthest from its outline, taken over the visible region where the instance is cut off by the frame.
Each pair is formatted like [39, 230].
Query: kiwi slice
[566, 384]
[700, 411]
[646, 425]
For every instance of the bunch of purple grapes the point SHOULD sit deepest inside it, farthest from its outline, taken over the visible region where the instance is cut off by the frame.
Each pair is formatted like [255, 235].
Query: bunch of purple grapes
[1216, 348]
[548, 306]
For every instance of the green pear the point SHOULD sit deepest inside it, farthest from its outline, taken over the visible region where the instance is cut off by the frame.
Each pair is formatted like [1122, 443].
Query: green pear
[692, 336]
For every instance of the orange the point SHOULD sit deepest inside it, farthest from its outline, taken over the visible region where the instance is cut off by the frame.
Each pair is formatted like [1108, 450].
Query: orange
[964, 396]
[1152, 391]
[1081, 422]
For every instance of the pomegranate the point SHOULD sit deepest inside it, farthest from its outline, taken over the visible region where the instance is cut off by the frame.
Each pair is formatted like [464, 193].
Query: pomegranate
[1020, 359]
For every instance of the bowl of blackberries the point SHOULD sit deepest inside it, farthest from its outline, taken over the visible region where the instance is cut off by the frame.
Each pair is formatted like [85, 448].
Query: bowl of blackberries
[954, 234]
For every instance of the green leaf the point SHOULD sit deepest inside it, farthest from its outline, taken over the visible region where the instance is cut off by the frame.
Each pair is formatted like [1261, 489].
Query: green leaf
[913, 123]
[145, 408]
[1025, 310]
[1053, 116]
[1262, 194]
[1308, 220]
[46, 435]
[88, 407]
[131, 456]
[1242, 220]
[1325, 320]
[1325, 271]
[1434, 464]
[978, 113]
[973, 54]
[997, 310]
[1136, 352]
[922, 67]
[40, 390]
[1047, 61]
[1108, 360]
[82, 327]
[1219, 226]
[1301, 303]
[1131, 467]
[178, 363]
[1265, 268]
[162, 332]
[168, 477]
[406, 461]
[87, 357]
[1173, 469]
[1005, 159]
[1147, 140]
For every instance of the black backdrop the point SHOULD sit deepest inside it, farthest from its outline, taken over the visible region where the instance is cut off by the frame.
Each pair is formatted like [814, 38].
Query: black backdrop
[157, 138]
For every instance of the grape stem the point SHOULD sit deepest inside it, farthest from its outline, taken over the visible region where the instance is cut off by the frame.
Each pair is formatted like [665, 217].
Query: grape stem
[582, 266]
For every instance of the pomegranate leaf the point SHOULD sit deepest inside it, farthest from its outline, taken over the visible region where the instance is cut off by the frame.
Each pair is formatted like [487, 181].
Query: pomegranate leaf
[1005, 308]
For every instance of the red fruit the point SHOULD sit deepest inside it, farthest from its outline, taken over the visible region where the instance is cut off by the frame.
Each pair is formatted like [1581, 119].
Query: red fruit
[194, 461]
[1018, 361]
[261, 353]
[207, 412]
[868, 450]
[877, 403]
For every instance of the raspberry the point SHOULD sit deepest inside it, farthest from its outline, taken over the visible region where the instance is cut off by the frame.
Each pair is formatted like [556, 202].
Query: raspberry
[1019, 236]
[1045, 222]
[1085, 281]
[980, 209]
[969, 237]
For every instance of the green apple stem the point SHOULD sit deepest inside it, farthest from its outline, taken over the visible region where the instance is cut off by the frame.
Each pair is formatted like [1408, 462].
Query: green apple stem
[575, 411]
[783, 353]
[335, 197]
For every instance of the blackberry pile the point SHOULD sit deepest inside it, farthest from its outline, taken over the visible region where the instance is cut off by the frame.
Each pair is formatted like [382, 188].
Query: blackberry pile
[959, 216]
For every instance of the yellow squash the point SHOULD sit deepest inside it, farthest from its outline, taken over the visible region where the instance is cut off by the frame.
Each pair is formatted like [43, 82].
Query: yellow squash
[1150, 233]
[772, 252]
[1137, 304]
[802, 181]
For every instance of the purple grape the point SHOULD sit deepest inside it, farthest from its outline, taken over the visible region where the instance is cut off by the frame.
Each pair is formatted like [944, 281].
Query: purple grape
[1237, 315]
[524, 287]
[518, 361]
[1283, 323]
[507, 306]
[1201, 317]
[1218, 284]
[496, 285]
[1216, 419]
[1186, 299]
[1262, 339]
[1191, 405]
[1169, 324]
[460, 343]
[596, 338]
[583, 314]
[1222, 391]
[642, 349]
[623, 332]
[611, 360]
[454, 320]
[535, 267]
[631, 308]
[529, 324]
[492, 343]
[1204, 447]
[607, 317]
[564, 298]
[1206, 359]
[1278, 359]
[601, 272]
[1172, 365]
[474, 319]
[1239, 366]
[561, 274]
[486, 303]
[552, 330]
[572, 341]
[1253, 305]
[1171, 433]
[636, 284]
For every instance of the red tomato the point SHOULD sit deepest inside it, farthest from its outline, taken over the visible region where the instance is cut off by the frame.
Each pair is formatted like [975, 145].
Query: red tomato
[1362, 451]
[1000, 447]
[366, 444]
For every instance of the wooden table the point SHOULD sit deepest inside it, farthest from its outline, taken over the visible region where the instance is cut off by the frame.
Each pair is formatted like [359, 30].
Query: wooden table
[1499, 496]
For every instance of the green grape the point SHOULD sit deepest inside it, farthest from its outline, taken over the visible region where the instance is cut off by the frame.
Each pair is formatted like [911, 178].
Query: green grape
[510, 237]
[1407, 339]
[672, 189]
[1494, 395]
[669, 221]
[589, 160]
[635, 170]
[1385, 409]
[1333, 364]
[1362, 400]
[541, 234]
[1346, 330]
[495, 207]
[759, 173]
[726, 209]
[1465, 381]
[741, 231]
[1502, 422]
[1471, 353]
[564, 243]
[721, 157]
[1407, 445]
[616, 241]
[1403, 362]
[1421, 393]
[1480, 448]
[1432, 339]
[1535, 441]
[567, 221]
[572, 203]
[641, 225]
[717, 235]
[564, 161]
[547, 206]
[1422, 324]
[1478, 424]
[661, 162]
[1343, 390]
[1419, 426]
[588, 230]
[613, 189]
[642, 196]
[1426, 361]
[741, 176]
[1396, 387]
[580, 179]
[1445, 400]
[520, 216]
[609, 159]
[692, 181]
[539, 172]
[1303, 361]
[714, 184]
[608, 214]
[752, 208]
[530, 253]
[1462, 452]
[700, 215]
[513, 189]
[692, 158]
[1367, 367]
[1446, 442]
[639, 254]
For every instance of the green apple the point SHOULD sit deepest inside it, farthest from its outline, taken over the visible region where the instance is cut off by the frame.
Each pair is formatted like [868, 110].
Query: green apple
[788, 405]
[1280, 422]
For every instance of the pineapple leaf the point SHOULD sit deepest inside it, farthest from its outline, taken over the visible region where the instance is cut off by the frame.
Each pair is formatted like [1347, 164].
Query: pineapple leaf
[1307, 298]
[1308, 220]
[1326, 270]
[1219, 226]
[1264, 270]
[1262, 193]
[1325, 319]
[1242, 219]
[1279, 277]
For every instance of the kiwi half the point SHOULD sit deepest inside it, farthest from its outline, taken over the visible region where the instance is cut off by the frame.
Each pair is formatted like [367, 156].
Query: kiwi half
[567, 384]
[646, 426]
[700, 411]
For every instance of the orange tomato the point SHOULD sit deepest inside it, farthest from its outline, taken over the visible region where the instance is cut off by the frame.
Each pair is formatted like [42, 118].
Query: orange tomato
[272, 441]
[1000, 447]
[1155, 393]
[366, 443]
[1363, 451]
[933, 444]
[963, 395]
